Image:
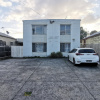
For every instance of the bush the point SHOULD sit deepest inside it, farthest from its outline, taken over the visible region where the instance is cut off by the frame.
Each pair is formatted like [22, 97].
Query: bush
[53, 55]
[56, 55]
[59, 55]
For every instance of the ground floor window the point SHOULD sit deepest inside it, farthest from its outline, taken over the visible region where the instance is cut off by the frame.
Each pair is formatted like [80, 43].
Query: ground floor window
[39, 47]
[64, 47]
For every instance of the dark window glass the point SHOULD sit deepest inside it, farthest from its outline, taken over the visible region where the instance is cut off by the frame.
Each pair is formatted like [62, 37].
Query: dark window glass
[33, 47]
[73, 51]
[11, 43]
[39, 29]
[39, 47]
[64, 47]
[45, 47]
[65, 29]
[86, 51]
[62, 29]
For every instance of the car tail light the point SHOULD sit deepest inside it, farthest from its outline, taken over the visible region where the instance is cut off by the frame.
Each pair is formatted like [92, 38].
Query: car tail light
[95, 54]
[79, 54]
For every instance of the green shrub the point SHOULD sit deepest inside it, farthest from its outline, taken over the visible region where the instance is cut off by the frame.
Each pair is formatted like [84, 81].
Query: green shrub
[53, 55]
[59, 55]
[56, 55]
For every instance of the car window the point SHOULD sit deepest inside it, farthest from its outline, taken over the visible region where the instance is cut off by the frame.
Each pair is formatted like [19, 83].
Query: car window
[86, 51]
[73, 51]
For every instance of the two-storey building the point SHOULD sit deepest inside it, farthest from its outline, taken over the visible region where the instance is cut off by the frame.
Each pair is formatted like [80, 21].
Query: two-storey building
[42, 37]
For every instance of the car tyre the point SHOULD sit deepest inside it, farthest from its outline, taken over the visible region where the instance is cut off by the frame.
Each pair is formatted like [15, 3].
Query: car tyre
[74, 62]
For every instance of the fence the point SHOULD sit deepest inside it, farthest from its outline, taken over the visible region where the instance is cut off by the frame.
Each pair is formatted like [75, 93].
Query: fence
[16, 51]
[5, 51]
[96, 47]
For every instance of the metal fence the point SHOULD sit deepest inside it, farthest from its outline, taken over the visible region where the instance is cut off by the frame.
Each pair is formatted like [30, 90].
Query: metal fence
[5, 51]
[96, 47]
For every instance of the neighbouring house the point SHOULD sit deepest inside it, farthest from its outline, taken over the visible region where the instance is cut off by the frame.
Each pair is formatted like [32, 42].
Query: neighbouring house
[19, 42]
[6, 40]
[92, 39]
[42, 37]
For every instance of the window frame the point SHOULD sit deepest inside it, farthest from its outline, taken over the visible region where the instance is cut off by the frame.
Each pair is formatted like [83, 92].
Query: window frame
[73, 51]
[34, 47]
[80, 51]
[11, 43]
[65, 29]
[64, 49]
[43, 30]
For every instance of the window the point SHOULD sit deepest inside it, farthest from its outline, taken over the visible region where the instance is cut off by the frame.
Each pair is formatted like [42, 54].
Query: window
[73, 51]
[11, 43]
[86, 51]
[39, 47]
[39, 29]
[65, 29]
[64, 47]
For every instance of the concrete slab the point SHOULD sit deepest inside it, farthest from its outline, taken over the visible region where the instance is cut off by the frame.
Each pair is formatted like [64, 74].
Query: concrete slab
[48, 79]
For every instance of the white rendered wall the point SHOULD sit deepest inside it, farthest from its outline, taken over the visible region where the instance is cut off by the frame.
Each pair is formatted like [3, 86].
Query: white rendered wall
[52, 38]
[27, 39]
[75, 36]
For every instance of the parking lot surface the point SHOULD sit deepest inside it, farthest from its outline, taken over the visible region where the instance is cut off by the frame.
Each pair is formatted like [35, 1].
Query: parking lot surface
[48, 79]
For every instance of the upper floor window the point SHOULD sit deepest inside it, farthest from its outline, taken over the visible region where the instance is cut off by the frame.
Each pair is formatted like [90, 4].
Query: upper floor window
[65, 29]
[39, 29]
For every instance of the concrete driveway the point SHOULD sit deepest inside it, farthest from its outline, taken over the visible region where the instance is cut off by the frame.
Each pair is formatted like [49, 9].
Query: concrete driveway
[48, 79]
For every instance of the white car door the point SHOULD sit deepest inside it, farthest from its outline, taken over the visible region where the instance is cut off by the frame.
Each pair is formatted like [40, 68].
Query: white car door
[72, 54]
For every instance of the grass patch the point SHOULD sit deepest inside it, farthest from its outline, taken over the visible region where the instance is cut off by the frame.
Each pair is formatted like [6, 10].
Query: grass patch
[27, 93]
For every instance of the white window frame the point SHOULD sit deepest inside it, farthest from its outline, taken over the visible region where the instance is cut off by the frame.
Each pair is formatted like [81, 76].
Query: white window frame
[65, 29]
[65, 50]
[44, 48]
[42, 33]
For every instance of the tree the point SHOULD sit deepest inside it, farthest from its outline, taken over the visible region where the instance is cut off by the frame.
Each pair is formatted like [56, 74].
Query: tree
[92, 32]
[83, 33]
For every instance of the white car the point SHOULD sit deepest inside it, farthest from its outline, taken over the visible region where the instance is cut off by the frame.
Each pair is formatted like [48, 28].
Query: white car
[83, 55]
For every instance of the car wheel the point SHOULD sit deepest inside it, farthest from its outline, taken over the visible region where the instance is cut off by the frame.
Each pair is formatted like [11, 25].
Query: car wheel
[74, 62]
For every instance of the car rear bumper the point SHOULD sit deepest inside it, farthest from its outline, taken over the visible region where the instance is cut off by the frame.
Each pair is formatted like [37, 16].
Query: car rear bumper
[79, 61]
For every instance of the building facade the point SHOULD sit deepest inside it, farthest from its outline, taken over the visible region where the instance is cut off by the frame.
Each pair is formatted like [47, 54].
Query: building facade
[42, 37]
[6, 40]
[92, 39]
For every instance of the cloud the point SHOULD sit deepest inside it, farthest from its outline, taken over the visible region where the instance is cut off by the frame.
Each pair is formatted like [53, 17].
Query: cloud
[15, 0]
[91, 22]
[0, 10]
[5, 3]
[90, 18]
[52, 9]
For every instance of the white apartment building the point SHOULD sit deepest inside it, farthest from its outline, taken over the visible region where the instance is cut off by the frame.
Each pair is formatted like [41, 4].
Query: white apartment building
[42, 37]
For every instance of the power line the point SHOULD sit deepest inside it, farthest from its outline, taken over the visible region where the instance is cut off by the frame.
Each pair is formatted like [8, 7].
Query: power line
[30, 8]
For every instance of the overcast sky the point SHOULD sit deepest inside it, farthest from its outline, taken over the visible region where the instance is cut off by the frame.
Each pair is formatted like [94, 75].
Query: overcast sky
[12, 12]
